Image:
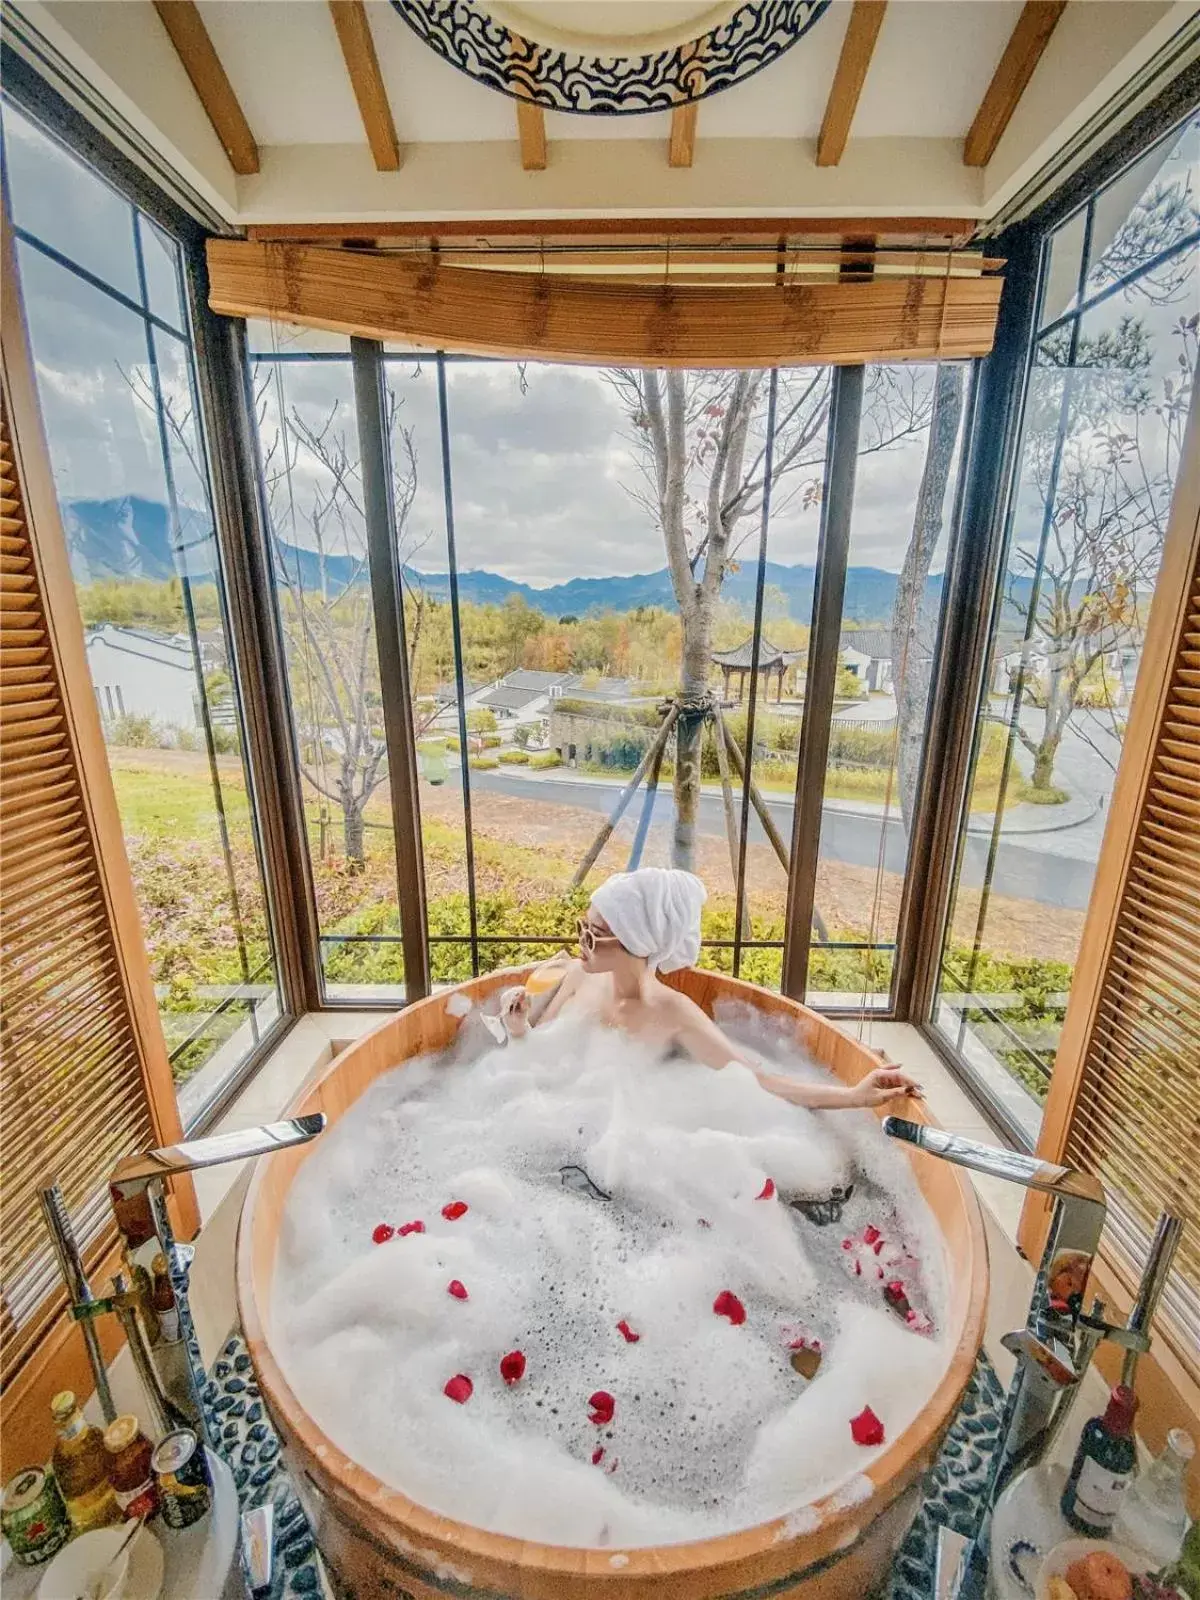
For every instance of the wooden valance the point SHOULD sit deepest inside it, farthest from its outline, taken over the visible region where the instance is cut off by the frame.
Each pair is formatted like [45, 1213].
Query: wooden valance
[604, 321]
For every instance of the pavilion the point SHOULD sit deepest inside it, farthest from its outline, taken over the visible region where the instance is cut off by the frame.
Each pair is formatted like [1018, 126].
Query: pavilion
[770, 661]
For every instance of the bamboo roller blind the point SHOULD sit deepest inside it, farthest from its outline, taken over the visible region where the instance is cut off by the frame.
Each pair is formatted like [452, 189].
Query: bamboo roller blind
[1136, 1118]
[603, 319]
[71, 1084]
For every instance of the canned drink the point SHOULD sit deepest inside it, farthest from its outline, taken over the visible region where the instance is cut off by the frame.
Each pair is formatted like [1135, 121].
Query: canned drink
[181, 1467]
[34, 1517]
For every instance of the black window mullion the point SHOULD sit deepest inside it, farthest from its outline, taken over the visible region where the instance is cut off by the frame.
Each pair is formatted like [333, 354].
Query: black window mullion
[388, 604]
[833, 549]
[459, 675]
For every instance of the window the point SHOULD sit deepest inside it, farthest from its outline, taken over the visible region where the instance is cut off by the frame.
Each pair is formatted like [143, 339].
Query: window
[1106, 401]
[908, 457]
[583, 632]
[103, 300]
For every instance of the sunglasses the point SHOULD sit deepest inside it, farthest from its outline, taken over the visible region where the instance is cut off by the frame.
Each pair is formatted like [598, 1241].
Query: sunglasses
[589, 939]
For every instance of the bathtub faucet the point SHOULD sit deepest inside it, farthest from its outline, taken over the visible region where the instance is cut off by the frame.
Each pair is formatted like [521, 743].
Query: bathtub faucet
[140, 1207]
[1055, 1346]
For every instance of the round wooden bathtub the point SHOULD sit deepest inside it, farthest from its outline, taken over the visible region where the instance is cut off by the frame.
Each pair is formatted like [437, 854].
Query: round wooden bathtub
[376, 1542]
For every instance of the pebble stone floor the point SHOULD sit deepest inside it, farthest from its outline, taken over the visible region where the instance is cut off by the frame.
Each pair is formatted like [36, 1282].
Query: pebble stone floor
[244, 1436]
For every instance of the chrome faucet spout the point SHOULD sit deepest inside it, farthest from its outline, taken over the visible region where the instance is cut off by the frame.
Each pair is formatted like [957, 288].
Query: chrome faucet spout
[139, 1202]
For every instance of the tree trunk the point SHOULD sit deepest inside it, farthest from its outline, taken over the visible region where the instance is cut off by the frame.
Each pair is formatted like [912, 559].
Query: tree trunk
[689, 732]
[1043, 761]
[911, 656]
[352, 833]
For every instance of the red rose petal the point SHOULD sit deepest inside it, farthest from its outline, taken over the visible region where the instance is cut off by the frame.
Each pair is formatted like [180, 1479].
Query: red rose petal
[597, 1455]
[383, 1232]
[601, 1407]
[457, 1288]
[728, 1305]
[459, 1389]
[879, 1247]
[847, 1244]
[410, 1227]
[627, 1332]
[456, 1209]
[866, 1428]
[512, 1366]
[767, 1192]
[895, 1290]
[871, 1234]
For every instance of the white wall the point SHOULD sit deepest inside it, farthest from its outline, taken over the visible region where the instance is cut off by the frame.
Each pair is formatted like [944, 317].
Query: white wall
[149, 687]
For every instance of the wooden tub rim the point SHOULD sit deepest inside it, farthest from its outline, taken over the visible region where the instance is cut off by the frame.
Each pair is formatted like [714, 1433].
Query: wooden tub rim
[404, 1519]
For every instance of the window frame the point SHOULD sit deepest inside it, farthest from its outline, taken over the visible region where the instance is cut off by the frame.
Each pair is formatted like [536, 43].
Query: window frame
[993, 471]
[58, 121]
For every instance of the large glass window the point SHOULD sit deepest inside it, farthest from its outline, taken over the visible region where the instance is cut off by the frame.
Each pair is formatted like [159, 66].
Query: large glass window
[607, 626]
[102, 291]
[1107, 399]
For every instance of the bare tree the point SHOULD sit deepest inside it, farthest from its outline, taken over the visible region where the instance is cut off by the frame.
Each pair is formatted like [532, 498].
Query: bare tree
[1102, 461]
[704, 457]
[313, 482]
[912, 643]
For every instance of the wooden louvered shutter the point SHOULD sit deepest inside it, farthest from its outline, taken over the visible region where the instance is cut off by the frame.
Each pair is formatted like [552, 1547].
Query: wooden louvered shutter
[84, 1075]
[1125, 1097]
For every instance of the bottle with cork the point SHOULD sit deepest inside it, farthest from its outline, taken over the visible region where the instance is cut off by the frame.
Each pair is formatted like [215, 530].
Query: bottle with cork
[1103, 1467]
[80, 1464]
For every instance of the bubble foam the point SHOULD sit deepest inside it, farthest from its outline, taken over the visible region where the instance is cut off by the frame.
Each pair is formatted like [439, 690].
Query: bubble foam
[712, 1429]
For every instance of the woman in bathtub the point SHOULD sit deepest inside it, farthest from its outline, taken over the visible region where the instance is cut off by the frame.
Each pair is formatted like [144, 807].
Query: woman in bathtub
[646, 922]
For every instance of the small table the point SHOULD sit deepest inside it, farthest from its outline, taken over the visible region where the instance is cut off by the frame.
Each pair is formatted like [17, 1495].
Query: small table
[199, 1563]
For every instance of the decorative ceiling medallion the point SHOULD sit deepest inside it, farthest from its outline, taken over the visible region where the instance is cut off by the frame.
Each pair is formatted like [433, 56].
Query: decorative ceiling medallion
[606, 84]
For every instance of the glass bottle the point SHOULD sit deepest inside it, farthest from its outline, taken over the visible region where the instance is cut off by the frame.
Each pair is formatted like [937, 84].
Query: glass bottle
[1103, 1467]
[80, 1464]
[163, 1300]
[129, 1453]
[1153, 1515]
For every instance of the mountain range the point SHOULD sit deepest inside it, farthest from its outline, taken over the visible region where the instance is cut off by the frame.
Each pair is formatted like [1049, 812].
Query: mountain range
[129, 538]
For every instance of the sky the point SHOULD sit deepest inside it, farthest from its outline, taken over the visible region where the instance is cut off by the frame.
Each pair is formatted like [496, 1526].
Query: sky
[545, 461]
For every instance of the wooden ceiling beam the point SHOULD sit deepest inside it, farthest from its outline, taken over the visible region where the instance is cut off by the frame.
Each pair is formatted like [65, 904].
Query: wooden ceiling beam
[531, 130]
[1021, 55]
[866, 19]
[187, 32]
[682, 148]
[935, 231]
[362, 63]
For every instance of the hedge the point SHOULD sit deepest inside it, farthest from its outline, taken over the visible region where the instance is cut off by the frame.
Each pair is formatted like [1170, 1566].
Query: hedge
[545, 759]
[513, 758]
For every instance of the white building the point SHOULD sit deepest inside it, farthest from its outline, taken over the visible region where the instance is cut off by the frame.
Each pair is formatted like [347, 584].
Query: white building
[142, 674]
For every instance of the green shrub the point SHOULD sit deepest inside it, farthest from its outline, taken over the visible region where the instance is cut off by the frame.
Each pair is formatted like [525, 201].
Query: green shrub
[138, 733]
[642, 716]
[492, 741]
[522, 734]
[452, 746]
[1043, 797]
[544, 760]
[481, 720]
[513, 758]
[482, 763]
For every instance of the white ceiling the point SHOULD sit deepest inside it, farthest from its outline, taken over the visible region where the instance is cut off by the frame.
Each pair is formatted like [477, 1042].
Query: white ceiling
[932, 64]
[755, 149]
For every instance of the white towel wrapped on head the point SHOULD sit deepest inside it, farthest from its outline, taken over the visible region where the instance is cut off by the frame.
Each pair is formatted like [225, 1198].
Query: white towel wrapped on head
[654, 912]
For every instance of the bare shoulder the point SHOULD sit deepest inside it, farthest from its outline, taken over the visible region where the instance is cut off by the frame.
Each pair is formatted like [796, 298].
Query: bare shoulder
[681, 1007]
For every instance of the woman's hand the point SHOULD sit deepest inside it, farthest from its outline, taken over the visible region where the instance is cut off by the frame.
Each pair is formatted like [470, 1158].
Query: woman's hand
[882, 1085]
[514, 1012]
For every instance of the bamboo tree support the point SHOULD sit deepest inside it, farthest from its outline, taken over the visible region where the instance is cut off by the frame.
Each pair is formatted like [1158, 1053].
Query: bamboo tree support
[731, 831]
[647, 816]
[606, 832]
[756, 799]
[764, 816]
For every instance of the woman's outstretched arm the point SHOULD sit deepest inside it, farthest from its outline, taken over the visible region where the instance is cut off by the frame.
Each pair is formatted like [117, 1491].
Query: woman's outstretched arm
[700, 1036]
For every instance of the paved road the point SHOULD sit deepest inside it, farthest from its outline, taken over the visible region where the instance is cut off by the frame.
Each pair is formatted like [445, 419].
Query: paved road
[1027, 867]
